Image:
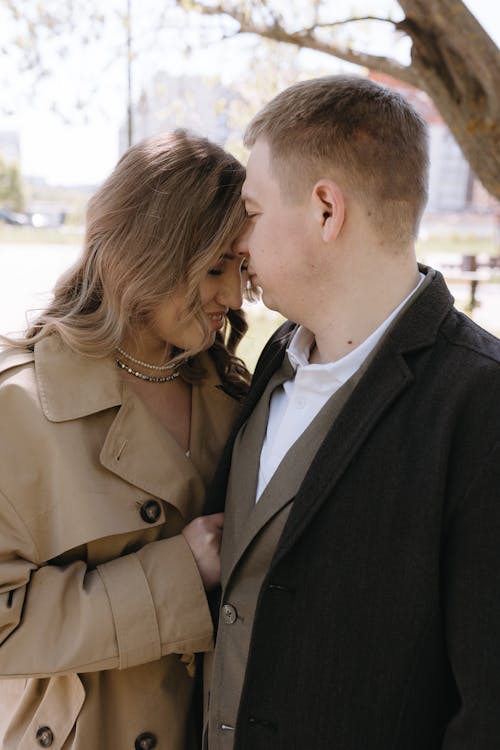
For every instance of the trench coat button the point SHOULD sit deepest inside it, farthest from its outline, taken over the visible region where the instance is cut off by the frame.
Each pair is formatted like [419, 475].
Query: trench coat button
[45, 737]
[150, 511]
[229, 614]
[145, 741]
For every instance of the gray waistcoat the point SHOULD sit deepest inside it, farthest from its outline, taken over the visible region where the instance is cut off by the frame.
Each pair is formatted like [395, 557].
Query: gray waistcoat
[251, 533]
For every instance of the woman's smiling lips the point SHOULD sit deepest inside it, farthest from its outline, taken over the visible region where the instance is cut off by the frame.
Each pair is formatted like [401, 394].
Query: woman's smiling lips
[216, 320]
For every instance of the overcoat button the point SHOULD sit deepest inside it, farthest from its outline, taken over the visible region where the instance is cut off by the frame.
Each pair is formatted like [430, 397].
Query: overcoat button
[145, 741]
[229, 614]
[45, 737]
[150, 511]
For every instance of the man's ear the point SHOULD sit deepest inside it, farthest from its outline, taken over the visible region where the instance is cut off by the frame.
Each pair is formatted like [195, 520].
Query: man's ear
[329, 208]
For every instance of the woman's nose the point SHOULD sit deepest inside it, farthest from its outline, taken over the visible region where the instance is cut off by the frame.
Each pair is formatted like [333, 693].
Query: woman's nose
[240, 246]
[230, 294]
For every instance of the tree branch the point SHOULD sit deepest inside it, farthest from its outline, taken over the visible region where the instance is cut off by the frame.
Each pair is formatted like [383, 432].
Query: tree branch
[343, 22]
[459, 40]
[307, 39]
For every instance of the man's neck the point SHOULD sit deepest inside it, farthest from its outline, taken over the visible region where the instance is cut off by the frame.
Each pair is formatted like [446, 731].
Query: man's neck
[352, 317]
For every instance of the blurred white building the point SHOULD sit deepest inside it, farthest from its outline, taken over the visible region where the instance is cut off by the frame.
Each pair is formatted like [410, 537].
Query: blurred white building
[9, 146]
[194, 102]
[453, 187]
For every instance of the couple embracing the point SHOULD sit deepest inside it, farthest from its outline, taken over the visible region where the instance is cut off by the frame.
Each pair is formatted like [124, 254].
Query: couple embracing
[346, 552]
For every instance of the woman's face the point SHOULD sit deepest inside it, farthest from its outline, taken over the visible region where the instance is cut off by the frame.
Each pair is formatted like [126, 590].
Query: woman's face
[220, 291]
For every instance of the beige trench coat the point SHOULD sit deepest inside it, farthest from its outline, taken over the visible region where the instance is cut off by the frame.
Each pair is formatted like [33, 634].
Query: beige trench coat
[101, 603]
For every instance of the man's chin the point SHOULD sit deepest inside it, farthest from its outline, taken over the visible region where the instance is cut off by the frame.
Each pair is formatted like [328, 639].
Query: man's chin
[269, 302]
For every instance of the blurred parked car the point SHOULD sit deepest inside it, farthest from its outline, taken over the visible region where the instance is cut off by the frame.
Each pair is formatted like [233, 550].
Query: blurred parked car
[14, 217]
[36, 219]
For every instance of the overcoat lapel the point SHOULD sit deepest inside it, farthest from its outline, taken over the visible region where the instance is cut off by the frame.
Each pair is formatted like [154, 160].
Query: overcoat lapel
[386, 377]
[359, 416]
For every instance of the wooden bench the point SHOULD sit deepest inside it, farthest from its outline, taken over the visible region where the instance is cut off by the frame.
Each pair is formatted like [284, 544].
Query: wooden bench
[471, 272]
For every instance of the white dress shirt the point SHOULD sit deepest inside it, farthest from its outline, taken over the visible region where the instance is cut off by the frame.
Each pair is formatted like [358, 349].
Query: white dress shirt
[295, 404]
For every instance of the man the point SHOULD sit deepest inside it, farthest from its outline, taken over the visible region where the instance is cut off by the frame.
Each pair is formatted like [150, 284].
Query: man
[361, 550]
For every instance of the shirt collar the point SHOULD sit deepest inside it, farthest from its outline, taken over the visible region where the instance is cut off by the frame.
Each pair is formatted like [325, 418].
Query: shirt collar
[342, 369]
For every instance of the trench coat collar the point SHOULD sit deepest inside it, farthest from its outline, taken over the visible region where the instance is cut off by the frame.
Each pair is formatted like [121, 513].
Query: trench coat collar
[73, 385]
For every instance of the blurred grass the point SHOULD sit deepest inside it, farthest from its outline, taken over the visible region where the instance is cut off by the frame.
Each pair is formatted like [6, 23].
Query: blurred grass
[456, 245]
[65, 235]
[71, 234]
[261, 325]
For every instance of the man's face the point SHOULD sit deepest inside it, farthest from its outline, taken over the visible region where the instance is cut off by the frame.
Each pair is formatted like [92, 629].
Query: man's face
[279, 238]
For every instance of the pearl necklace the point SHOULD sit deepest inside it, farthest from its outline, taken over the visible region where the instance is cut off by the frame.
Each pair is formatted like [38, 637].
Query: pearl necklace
[148, 378]
[145, 364]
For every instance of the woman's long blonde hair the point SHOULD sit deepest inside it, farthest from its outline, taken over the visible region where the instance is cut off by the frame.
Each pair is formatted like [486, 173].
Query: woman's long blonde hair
[161, 219]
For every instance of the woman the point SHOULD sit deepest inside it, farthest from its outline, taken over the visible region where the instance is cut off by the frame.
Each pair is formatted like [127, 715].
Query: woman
[115, 406]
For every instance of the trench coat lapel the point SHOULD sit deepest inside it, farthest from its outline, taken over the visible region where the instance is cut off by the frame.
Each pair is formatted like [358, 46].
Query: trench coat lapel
[137, 447]
[141, 451]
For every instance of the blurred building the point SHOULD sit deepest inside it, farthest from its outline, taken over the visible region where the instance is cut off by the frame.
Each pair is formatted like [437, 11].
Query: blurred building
[453, 187]
[193, 102]
[9, 146]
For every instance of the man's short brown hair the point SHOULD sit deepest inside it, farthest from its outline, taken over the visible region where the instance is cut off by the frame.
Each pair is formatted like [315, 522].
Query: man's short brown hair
[365, 136]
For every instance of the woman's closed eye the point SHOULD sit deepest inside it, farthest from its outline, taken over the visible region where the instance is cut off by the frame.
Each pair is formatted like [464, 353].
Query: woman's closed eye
[219, 268]
[216, 271]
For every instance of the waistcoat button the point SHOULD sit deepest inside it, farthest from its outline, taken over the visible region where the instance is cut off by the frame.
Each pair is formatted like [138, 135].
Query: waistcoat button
[145, 741]
[229, 614]
[150, 511]
[45, 737]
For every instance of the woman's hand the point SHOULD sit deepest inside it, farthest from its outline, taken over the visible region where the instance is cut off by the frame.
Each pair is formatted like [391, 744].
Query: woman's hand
[204, 536]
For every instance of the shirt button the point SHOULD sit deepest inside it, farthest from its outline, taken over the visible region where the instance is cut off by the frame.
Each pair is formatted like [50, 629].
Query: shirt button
[145, 741]
[300, 402]
[150, 511]
[45, 737]
[229, 614]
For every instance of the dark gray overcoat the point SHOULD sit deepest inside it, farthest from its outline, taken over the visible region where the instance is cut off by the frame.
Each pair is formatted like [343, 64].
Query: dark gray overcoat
[378, 625]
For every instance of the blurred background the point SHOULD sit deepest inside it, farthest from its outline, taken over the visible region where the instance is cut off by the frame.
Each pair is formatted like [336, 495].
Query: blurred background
[81, 80]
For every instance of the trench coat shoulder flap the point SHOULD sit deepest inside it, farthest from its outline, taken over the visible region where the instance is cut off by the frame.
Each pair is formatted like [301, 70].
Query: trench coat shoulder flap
[386, 377]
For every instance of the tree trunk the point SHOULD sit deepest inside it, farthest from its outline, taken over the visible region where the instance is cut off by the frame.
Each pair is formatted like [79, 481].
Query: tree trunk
[458, 65]
[453, 60]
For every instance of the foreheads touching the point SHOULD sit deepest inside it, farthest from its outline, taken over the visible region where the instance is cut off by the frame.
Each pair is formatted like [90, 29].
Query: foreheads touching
[160, 221]
[364, 136]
